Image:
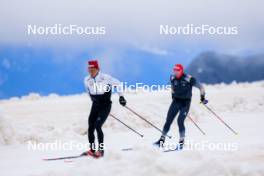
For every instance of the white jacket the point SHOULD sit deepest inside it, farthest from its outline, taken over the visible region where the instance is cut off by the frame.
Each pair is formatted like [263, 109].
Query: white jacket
[101, 84]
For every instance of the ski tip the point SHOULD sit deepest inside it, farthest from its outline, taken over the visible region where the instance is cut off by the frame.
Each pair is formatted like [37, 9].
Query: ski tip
[45, 159]
[48, 159]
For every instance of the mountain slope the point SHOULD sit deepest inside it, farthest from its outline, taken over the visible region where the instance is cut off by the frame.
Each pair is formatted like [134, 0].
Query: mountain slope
[211, 67]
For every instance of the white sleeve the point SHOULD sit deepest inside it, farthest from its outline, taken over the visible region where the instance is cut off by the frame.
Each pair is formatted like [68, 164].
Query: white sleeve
[115, 83]
[86, 86]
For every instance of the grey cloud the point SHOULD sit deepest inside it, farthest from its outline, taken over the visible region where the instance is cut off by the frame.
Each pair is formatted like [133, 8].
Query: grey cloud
[134, 21]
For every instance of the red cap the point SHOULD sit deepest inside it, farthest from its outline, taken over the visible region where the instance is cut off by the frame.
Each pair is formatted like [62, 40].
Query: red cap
[179, 68]
[93, 64]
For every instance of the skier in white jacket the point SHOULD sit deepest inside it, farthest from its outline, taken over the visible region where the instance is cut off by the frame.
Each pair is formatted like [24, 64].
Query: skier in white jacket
[99, 87]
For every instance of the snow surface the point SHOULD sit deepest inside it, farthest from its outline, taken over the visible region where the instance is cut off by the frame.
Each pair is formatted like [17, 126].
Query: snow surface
[53, 118]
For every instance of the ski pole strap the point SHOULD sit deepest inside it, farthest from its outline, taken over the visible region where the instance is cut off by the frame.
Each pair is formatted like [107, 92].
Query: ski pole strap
[221, 120]
[146, 120]
[141, 135]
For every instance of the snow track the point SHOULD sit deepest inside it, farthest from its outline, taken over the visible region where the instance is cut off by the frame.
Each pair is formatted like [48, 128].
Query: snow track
[46, 119]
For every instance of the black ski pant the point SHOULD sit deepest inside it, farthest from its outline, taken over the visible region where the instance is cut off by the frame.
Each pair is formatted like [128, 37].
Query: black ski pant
[97, 117]
[182, 107]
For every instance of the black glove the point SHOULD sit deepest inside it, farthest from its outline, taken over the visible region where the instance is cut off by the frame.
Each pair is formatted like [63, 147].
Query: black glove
[122, 101]
[203, 100]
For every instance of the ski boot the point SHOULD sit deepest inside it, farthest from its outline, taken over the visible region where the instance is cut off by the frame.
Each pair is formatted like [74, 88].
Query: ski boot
[160, 142]
[99, 154]
[89, 153]
[181, 144]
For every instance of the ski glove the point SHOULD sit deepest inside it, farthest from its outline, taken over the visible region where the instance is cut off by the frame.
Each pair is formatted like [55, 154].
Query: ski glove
[122, 101]
[203, 100]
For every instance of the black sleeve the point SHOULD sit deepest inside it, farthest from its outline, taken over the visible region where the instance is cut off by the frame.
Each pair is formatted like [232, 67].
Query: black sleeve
[193, 81]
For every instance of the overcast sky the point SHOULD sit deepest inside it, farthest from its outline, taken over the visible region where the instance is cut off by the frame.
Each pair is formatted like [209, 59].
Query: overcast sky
[136, 22]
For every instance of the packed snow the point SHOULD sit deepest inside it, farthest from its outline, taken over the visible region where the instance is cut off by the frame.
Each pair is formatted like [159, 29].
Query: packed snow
[40, 120]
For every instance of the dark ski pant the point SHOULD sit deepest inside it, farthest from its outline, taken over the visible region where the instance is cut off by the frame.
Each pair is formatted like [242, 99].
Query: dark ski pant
[182, 107]
[97, 117]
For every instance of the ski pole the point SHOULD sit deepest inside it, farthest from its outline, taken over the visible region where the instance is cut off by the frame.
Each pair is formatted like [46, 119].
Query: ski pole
[219, 118]
[196, 125]
[146, 120]
[141, 135]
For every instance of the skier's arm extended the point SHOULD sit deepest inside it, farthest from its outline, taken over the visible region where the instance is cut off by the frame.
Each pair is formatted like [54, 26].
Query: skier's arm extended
[116, 83]
[198, 85]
